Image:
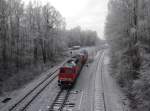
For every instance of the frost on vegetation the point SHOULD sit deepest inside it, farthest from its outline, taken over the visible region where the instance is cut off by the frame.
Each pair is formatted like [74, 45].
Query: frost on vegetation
[127, 32]
[32, 36]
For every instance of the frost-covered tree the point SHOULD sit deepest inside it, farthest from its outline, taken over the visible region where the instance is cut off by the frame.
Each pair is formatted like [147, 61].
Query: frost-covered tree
[32, 36]
[128, 34]
[119, 34]
[3, 32]
[76, 36]
[26, 34]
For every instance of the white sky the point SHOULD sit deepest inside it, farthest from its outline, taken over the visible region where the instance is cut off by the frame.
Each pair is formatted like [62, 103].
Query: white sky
[89, 14]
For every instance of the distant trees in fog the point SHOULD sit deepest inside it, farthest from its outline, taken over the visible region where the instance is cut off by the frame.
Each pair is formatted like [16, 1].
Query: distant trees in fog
[128, 34]
[76, 36]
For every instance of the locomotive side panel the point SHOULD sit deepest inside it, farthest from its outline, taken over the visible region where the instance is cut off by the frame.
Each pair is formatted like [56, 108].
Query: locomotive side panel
[70, 71]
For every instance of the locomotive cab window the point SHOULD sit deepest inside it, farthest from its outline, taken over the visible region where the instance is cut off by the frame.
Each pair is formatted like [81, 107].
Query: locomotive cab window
[66, 71]
[69, 71]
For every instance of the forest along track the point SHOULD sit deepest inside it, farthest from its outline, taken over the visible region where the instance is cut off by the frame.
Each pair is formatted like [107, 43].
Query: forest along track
[24, 102]
[60, 100]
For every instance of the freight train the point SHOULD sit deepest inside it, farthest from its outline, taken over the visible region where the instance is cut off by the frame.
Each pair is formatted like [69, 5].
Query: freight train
[69, 72]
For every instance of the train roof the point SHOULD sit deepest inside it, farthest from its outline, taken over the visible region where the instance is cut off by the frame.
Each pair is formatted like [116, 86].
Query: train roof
[70, 63]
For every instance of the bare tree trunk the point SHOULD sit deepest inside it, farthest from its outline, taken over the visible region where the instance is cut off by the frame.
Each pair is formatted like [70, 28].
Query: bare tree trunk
[17, 44]
[35, 51]
[3, 32]
[43, 50]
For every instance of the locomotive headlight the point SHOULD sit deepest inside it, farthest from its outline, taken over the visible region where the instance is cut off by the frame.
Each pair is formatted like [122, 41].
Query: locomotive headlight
[69, 79]
[66, 79]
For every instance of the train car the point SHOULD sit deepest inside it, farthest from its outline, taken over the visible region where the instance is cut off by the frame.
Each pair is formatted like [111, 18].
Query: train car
[69, 71]
[84, 55]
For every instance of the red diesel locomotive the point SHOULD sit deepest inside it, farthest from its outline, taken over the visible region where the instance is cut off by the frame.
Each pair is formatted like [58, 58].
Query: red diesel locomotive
[70, 70]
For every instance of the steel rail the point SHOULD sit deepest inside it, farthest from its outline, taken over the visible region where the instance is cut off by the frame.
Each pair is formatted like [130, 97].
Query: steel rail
[102, 82]
[34, 89]
[34, 97]
[57, 98]
[100, 61]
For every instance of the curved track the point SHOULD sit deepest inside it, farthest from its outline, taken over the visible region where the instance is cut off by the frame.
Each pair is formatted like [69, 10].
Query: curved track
[25, 101]
[61, 98]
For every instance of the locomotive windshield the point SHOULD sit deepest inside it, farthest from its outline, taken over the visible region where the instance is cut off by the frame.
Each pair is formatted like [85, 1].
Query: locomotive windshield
[66, 70]
[70, 63]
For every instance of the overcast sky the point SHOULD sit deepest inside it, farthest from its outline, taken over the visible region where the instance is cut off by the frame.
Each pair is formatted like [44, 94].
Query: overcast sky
[89, 14]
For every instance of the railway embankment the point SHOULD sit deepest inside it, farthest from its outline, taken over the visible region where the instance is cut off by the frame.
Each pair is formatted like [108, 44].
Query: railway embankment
[29, 78]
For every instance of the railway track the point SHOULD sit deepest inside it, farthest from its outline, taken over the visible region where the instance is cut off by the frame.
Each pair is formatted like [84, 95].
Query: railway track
[58, 103]
[102, 82]
[27, 99]
[60, 100]
[99, 102]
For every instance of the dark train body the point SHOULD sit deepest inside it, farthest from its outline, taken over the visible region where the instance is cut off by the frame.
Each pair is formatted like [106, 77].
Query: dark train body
[70, 70]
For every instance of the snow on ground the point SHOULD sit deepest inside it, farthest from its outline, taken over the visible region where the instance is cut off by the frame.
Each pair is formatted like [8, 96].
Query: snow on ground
[89, 82]
[114, 97]
[44, 100]
[17, 94]
[99, 102]
[85, 83]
